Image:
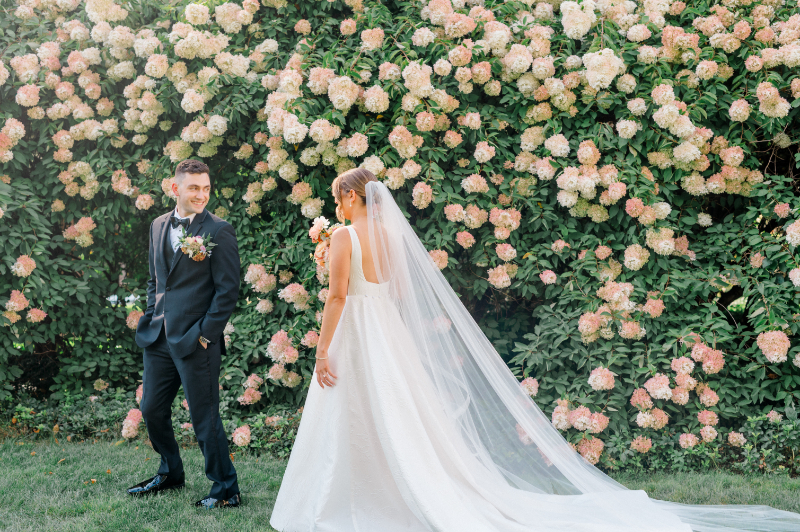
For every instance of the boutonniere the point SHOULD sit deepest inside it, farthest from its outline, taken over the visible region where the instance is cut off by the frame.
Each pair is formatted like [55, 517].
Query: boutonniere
[197, 247]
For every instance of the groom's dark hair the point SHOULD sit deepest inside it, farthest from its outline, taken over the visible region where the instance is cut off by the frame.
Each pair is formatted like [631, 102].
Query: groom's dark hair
[190, 166]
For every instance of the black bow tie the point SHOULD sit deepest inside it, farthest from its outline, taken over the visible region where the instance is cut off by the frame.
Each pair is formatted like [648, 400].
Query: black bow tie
[175, 221]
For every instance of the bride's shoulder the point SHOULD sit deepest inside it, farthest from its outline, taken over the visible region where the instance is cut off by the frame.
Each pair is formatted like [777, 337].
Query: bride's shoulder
[340, 236]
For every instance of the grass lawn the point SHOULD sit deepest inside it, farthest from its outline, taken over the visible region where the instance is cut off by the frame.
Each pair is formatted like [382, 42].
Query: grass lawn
[53, 489]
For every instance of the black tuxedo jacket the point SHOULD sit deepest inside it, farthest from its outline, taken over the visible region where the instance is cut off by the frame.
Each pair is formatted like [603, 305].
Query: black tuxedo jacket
[190, 298]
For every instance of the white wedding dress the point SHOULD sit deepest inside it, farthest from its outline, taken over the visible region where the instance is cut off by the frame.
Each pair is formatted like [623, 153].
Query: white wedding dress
[411, 440]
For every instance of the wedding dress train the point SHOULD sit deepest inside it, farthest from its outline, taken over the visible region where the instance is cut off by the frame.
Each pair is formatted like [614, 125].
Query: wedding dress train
[423, 432]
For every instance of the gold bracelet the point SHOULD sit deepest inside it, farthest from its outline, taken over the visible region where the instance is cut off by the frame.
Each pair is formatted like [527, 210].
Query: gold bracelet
[321, 358]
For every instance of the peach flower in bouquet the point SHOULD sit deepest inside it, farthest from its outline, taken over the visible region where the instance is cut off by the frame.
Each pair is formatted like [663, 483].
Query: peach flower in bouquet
[320, 233]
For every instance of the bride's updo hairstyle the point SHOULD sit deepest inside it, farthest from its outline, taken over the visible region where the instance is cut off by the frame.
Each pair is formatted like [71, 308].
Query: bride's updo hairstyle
[353, 179]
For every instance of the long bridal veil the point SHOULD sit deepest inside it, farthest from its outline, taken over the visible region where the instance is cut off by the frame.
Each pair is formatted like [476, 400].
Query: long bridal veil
[501, 426]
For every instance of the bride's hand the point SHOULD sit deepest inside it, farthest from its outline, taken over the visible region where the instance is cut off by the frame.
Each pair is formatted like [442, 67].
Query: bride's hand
[324, 374]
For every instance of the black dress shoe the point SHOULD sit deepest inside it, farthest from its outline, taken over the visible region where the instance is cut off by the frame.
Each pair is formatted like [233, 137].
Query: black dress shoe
[209, 502]
[157, 484]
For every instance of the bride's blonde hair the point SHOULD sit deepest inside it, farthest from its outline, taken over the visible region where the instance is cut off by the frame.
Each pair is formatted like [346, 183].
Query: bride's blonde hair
[353, 179]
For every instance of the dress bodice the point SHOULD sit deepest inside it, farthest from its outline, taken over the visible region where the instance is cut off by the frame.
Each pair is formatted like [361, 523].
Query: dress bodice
[357, 283]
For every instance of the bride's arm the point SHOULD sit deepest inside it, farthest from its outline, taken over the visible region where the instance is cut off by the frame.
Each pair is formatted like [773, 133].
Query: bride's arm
[339, 255]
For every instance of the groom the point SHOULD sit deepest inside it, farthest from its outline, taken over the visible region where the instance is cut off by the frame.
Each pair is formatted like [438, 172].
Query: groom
[188, 305]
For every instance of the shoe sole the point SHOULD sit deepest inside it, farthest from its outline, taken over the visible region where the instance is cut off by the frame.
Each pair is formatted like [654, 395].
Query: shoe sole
[154, 492]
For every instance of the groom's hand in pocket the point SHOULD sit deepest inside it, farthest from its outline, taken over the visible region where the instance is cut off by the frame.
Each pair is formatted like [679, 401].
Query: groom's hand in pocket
[203, 342]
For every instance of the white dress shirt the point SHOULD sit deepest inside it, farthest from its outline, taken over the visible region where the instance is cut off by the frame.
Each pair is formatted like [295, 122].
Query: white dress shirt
[175, 232]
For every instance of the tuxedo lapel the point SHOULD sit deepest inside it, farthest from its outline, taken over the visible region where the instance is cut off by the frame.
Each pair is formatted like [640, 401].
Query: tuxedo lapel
[163, 240]
[194, 229]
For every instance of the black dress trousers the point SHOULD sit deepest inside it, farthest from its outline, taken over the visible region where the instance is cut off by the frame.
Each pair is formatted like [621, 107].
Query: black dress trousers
[199, 374]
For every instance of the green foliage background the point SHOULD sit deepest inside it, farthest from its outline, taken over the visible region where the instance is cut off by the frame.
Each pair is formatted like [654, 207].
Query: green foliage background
[533, 326]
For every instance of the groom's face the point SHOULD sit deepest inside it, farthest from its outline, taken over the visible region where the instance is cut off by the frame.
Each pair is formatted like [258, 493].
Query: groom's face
[193, 192]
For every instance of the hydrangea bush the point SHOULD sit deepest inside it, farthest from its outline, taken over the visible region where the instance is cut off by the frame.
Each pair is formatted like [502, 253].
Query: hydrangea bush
[600, 181]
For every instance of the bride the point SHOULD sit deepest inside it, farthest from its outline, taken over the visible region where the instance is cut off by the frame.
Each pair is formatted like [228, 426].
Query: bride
[415, 423]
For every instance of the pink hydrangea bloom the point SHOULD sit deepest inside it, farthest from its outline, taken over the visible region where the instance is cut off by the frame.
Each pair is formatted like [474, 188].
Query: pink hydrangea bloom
[774, 345]
[310, 339]
[348, 26]
[591, 449]
[422, 195]
[709, 397]
[17, 302]
[684, 380]
[599, 423]
[782, 209]
[291, 379]
[241, 436]
[641, 444]
[276, 372]
[548, 277]
[132, 321]
[736, 439]
[484, 152]
[296, 294]
[253, 381]
[641, 399]
[498, 277]
[688, 440]
[506, 252]
[601, 379]
[465, 239]
[560, 417]
[682, 365]
[680, 396]
[708, 433]
[530, 386]
[249, 397]
[454, 212]
[658, 386]
[24, 266]
[707, 417]
[602, 252]
[774, 416]
[130, 427]
[474, 184]
[580, 418]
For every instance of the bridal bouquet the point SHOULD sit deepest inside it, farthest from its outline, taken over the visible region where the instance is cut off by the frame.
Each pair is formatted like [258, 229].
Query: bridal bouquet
[320, 233]
[197, 247]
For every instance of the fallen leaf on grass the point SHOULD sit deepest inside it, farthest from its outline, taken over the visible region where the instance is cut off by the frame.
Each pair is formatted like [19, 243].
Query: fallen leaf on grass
[120, 442]
[61, 460]
[33, 453]
[108, 471]
[146, 459]
[93, 480]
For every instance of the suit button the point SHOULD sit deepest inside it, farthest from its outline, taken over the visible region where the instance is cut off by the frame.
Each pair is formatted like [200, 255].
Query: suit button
[169, 288]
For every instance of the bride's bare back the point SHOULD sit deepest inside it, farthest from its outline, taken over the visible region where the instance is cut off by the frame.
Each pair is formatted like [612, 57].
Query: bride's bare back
[367, 262]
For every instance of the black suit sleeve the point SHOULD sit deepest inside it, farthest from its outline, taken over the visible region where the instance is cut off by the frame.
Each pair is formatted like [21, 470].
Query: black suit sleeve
[225, 271]
[151, 282]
